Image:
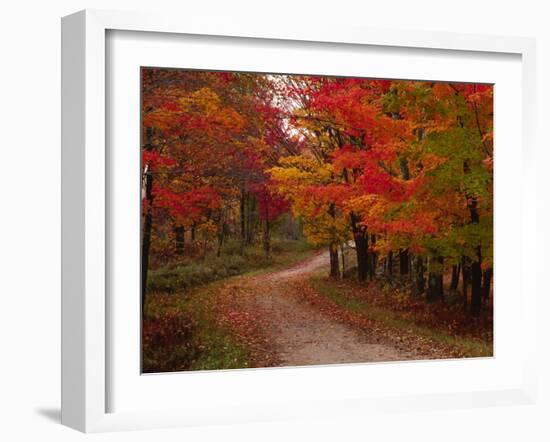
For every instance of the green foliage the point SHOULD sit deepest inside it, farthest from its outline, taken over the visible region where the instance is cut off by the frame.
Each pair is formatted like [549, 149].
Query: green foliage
[184, 277]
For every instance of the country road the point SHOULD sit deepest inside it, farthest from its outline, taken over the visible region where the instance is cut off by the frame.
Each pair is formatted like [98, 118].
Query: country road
[292, 332]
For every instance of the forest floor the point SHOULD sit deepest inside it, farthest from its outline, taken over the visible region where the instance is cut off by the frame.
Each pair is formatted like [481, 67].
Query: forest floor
[296, 315]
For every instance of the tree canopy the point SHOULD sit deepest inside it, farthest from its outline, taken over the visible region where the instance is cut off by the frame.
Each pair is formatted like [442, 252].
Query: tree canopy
[384, 166]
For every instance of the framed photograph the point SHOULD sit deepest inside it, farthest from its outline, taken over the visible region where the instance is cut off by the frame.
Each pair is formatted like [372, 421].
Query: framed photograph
[264, 223]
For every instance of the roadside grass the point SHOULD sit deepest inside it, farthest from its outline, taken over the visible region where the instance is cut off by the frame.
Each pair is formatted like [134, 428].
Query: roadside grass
[184, 297]
[191, 272]
[345, 298]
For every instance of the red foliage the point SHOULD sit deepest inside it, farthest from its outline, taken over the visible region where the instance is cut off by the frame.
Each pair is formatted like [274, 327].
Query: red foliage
[270, 204]
[189, 205]
[154, 159]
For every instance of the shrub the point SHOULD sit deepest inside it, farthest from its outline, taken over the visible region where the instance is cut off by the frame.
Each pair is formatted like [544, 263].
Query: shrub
[167, 343]
[289, 245]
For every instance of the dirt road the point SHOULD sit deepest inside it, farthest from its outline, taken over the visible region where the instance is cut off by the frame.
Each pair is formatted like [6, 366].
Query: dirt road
[292, 332]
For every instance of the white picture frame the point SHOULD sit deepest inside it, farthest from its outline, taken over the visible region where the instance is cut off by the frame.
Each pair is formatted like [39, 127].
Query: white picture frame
[85, 310]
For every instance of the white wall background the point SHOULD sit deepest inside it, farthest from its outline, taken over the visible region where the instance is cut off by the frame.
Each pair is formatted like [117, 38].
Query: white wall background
[30, 215]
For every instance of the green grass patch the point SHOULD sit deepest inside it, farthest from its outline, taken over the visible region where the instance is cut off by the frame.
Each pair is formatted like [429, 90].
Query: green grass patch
[195, 272]
[346, 300]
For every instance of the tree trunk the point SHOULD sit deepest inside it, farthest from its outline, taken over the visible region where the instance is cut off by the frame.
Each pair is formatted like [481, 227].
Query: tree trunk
[245, 221]
[221, 235]
[440, 288]
[267, 238]
[179, 232]
[431, 294]
[145, 248]
[360, 236]
[487, 276]
[390, 263]
[435, 281]
[419, 280]
[454, 277]
[148, 220]
[251, 209]
[343, 260]
[404, 253]
[404, 166]
[193, 228]
[243, 216]
[373, 257]
[475, 303]
[334, 266]
[403, 261]
[465, 281]
[475, 306]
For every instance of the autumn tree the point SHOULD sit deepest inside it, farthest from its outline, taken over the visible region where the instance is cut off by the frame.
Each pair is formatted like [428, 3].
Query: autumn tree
[207, 139]
[398, 170]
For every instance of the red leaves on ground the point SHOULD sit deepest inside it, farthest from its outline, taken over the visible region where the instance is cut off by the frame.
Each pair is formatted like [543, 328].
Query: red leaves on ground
[448, 319]
[166, 342]
[234, 309]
